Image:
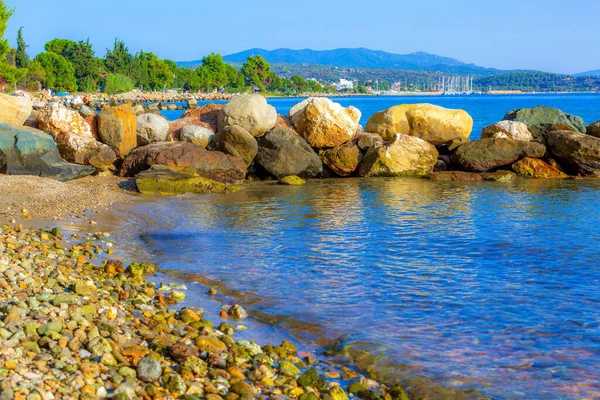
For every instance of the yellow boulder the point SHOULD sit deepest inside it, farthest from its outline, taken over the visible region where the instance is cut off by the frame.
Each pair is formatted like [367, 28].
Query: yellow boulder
[435, 124]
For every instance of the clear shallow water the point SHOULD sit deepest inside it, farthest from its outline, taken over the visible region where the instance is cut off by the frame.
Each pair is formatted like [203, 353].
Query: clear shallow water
[485, 110]
[483, 286]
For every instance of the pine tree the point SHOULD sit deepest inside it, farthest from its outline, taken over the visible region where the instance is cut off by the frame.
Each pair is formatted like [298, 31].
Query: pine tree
[21, 58]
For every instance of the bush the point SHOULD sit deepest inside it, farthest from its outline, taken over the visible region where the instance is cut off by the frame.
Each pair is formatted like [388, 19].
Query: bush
[118, 84]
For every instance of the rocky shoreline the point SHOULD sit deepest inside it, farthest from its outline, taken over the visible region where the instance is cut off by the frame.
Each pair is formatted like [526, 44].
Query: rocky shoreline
[213, 147]
[78, 322]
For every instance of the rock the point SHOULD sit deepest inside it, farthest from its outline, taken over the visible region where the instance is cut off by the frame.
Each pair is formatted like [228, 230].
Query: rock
[28, 151]
[198, 135]
[209, 164]
[514, 130]
[14, 110]
[403, 156]
[60, 121]
[161, 179]
[324, 123]
[151, 128]
[251, 112]
[499, 176]
[577, 153]
[593, 129]
[237, 312]
[286, 368]
[455, 176]
[311, 378]
[175, 384]
[86, 112]
[535, 168]
[192, 367]
[148, 370]
[139, 110]
[244, 390]
[192, 104]
[541, 120]
[434, 124]
[74, 138]
[343, 160]
[117, 128]
[337, 393]
[236, 141]
[210, 344]
[282, 153]
[487, 154]
[292, 180]
[206, 116]
[367, 140]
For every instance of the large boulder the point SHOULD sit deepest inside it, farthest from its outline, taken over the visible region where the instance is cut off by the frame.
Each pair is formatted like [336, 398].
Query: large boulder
[488, 154]
[593, 129]
[404, 155]
[251, 112]
[344, 159]
[541, 119]
[577, 153]
[514, 130]
[435, 124]
[198, 135]
[74, 137]
[206, 116]
[28, 151]
[117, 128]
[236, 141]
[209, 164]
[14, 110]
[324, 123]
[281, 153]
[536, 168]
[151, 128]
[161, 179]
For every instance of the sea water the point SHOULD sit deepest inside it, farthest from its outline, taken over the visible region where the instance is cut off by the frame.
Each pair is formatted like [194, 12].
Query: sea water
[480, 285]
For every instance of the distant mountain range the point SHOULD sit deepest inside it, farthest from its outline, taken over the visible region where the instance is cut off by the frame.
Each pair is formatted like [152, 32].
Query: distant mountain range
[418, 69]
[360, 58]
[589, 73]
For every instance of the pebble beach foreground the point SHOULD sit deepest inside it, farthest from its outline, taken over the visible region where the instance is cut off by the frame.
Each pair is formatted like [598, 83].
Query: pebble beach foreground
[72, 327]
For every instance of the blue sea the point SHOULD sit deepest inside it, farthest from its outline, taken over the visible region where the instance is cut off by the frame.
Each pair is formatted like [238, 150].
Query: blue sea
[481, 285]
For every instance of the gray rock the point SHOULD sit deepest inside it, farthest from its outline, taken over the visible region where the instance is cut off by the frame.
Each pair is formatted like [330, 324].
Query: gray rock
[577, 153]
[151, 128]
[28, 151]
[148, 370]
[86, 111]
[282, 153]
[236, 141]
[488, 154]
[541, 120]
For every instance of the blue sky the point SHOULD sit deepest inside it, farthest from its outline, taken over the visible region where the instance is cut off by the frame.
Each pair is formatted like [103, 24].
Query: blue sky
[550, 35]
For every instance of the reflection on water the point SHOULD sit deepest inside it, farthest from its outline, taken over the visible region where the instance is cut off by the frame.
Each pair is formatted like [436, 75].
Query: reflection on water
[474, 284]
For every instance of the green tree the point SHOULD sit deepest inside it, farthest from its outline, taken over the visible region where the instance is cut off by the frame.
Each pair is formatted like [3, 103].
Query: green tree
[119, 60]
[150, 72]
[8, 73]
[81, 55]
[59, 73]
[21, 57]
[257, 72]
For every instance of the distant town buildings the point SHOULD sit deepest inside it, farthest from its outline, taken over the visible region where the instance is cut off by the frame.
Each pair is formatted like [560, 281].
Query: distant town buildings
[344, 84]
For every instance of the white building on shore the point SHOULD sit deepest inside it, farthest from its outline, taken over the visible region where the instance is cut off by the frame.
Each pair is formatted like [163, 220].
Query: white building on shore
[344, 85]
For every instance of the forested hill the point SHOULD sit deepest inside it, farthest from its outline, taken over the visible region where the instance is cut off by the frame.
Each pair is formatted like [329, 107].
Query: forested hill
[360, 58]
[535, 81]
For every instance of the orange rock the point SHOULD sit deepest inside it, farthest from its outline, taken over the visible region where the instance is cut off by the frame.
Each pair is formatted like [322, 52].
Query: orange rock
[117, 128]
[535, 168]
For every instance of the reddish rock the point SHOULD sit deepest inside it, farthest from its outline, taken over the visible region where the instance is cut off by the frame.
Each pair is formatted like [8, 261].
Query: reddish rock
[117, 128]
[206, 116]
[209, 164]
